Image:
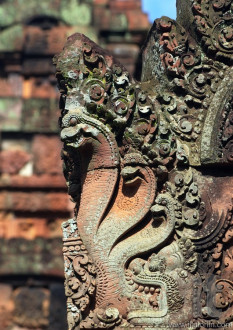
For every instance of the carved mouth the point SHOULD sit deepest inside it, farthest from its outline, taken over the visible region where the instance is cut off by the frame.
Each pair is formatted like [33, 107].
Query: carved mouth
[133, 180]
[76, 142]
[132, 174]
[75, 137]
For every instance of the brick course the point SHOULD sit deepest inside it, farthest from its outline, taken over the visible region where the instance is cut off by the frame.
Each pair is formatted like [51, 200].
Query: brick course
[33, 192]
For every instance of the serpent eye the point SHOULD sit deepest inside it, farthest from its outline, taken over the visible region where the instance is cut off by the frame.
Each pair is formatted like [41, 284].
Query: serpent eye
[73, 121]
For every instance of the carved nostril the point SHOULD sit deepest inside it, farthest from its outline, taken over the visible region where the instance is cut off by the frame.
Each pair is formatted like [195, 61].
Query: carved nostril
[73, 121]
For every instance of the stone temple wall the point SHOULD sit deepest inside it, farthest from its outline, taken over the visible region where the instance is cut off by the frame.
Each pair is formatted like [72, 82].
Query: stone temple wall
[149, 165]
[33, 193]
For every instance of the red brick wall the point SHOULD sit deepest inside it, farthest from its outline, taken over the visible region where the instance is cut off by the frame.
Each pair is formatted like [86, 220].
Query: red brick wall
[33, 192]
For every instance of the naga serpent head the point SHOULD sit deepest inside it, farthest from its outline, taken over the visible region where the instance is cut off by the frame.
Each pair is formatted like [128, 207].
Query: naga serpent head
[75, 131]
[97, 87]
[132, 171]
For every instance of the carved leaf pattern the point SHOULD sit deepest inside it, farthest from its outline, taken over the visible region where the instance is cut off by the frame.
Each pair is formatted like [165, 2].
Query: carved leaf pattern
[143, 143]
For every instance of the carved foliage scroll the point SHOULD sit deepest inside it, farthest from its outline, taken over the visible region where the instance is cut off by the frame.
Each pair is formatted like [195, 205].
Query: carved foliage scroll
[149, 167]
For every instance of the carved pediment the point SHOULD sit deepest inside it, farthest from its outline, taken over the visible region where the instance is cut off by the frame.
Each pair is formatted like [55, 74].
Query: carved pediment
[149, 167]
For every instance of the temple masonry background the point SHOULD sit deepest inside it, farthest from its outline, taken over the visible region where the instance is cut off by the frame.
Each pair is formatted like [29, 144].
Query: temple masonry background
[33, 194]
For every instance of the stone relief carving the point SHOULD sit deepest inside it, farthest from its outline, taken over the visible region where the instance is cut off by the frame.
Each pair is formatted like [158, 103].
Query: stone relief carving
[149, 167]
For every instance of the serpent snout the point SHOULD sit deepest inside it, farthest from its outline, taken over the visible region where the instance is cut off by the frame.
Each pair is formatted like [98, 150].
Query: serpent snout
[70, 133]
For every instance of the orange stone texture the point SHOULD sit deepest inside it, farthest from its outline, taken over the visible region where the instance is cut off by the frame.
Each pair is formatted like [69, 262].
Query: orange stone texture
[149, 165]
[33, 192]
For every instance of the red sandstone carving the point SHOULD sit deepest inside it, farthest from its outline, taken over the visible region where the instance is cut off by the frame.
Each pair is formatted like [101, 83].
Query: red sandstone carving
[149, 167]
[33, 198]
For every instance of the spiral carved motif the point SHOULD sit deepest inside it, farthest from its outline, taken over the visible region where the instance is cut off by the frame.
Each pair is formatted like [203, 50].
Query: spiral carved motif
[149, 167]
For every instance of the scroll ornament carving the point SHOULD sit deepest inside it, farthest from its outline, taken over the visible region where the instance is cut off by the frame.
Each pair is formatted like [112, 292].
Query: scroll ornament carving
[150, 241]
[225, 139]
[214, 24]
[80, 274]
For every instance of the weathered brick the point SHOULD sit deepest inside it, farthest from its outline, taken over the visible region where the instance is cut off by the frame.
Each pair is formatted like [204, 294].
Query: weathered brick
[6, 306]
[31, 307]
[10, 114]
[45, 154]
[38, 256]
[40, 87]
[40, 115]
[26, 228]
[101, 2]
[136, 20]
[12, 161]
[125, 54]
[44, 41]
[30, 228]
[43, 181]
[42, 66]
[123, 5]
[11, 86]
[35, 202]
[11, 39]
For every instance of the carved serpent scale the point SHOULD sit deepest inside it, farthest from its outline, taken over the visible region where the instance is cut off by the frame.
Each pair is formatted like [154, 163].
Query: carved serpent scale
[149, 167]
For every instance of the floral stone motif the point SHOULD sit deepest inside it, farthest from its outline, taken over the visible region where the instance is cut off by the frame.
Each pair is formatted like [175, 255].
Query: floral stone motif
[148, 166]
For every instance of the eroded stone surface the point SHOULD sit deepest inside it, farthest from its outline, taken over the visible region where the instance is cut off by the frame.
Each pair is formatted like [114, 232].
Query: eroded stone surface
[149, 167]
[33, 198]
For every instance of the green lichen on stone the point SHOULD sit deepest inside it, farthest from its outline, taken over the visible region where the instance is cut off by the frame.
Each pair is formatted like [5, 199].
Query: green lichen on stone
[75, 14]
[72, 12]
[8, 13]
[18, 11]
[11, 39]
[10, 114]
[38, 256]
[119, 23]
[39, 115]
